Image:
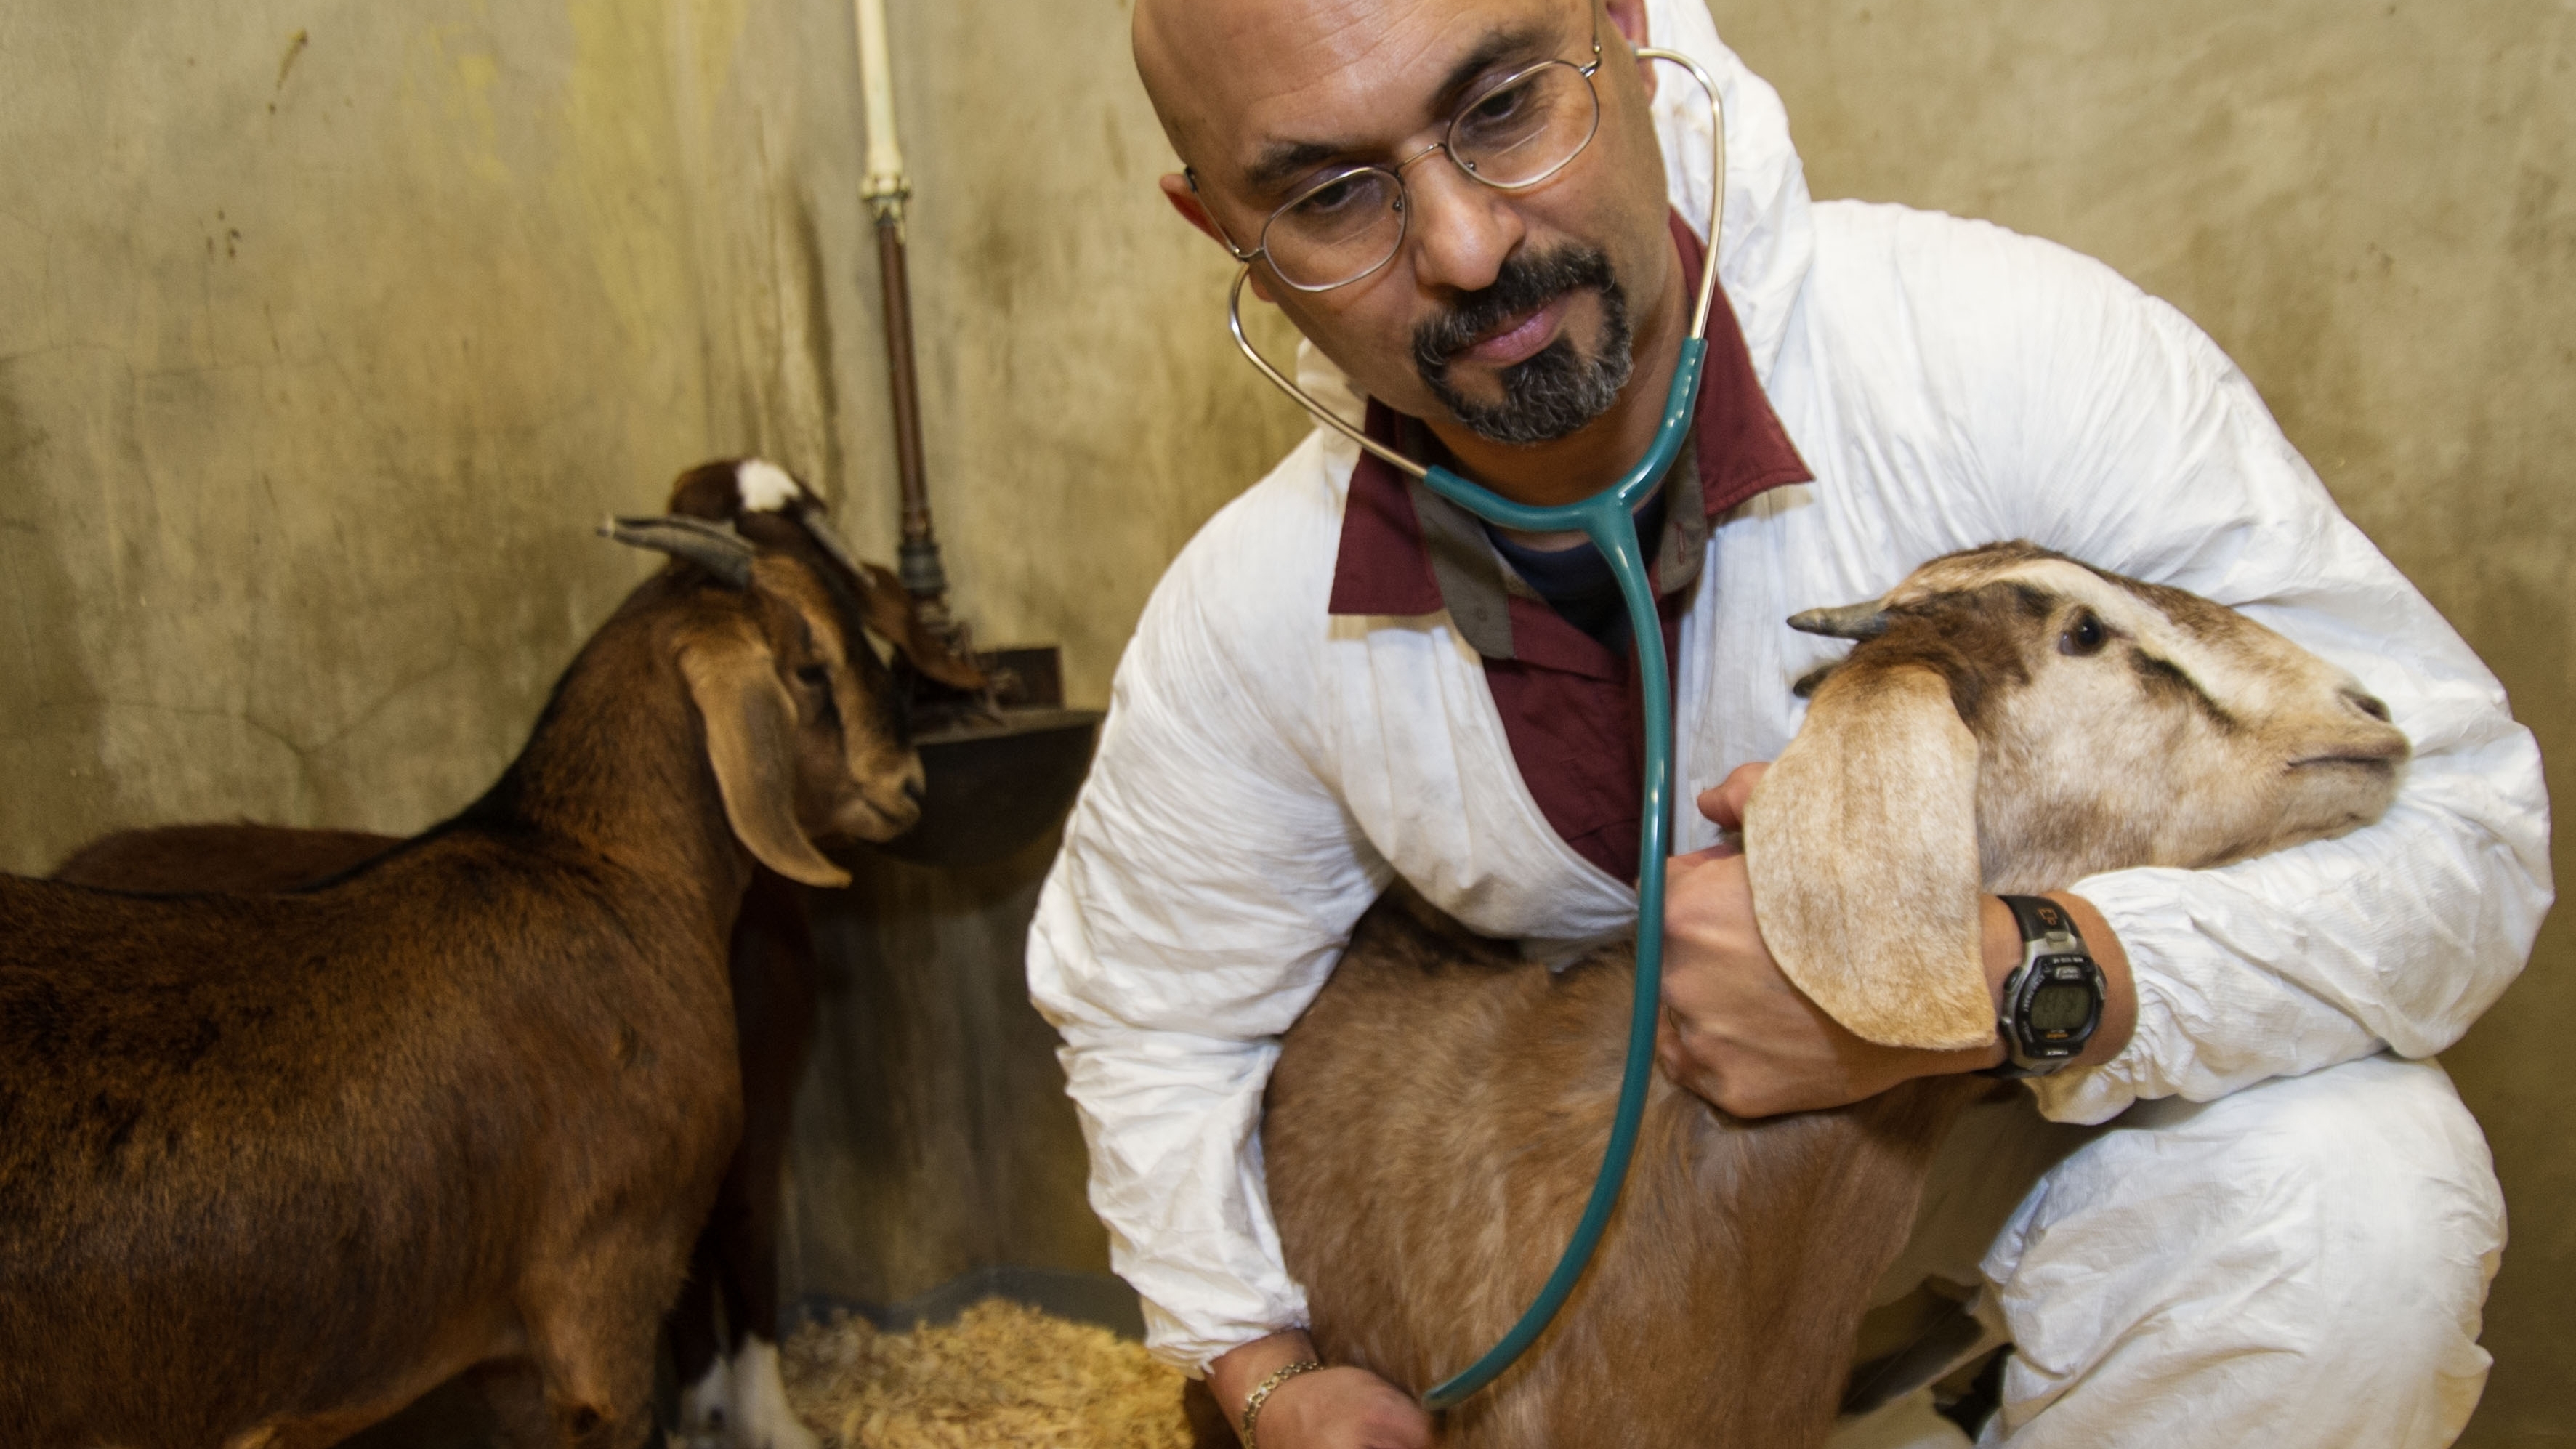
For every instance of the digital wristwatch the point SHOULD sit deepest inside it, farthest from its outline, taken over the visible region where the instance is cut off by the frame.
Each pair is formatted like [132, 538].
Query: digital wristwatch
[2052, 1001]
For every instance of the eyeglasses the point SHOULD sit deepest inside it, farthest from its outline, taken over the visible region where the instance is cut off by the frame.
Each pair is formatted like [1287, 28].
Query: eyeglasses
[1511, 135]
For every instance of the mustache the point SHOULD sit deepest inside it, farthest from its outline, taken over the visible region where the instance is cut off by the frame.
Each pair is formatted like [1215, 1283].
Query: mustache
[1523, 284]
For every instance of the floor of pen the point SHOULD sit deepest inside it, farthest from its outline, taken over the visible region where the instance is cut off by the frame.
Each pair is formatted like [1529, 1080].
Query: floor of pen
[1005, 1373]
[1001, 1373]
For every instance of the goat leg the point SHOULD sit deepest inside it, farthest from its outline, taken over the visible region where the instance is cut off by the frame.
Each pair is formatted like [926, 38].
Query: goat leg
[699, 1353]
[776, 989]
[592, 1333]
[515, 1393]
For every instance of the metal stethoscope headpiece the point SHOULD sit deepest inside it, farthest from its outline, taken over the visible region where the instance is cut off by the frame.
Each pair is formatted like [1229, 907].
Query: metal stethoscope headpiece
[1606, 519]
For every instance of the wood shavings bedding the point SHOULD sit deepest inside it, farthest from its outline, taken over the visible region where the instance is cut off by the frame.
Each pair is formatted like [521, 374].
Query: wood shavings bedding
[1002, 1373]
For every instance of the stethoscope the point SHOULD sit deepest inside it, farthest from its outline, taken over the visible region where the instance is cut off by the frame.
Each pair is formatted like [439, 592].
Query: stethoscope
[1607, 519]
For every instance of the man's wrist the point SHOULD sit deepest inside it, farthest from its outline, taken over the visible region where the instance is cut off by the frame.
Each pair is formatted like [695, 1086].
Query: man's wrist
[1234, 1374]
[2002, 953]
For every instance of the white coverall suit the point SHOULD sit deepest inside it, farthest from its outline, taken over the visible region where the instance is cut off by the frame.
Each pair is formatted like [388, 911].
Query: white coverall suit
[2287, 1235]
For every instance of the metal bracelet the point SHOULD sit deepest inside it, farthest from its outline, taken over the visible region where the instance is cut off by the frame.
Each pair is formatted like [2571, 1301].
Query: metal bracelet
[1261, 1395]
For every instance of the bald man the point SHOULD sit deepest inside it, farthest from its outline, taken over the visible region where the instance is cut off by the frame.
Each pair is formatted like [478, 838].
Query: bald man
[1480, 216]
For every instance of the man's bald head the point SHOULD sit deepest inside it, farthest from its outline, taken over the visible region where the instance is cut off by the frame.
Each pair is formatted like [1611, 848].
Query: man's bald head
[1183, 49]
[1192, 54]
[1211, 66]
[1497, 300]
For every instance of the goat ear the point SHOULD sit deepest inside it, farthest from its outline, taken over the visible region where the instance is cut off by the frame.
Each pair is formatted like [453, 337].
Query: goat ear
[1861, 841]
[751, 742]
[887, 610]
[892, 614]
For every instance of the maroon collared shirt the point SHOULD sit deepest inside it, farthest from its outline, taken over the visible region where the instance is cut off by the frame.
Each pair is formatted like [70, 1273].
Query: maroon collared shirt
[1570, 705]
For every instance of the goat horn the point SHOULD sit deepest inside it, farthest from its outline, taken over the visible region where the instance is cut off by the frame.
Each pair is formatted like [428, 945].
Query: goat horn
[819, 528]
[714, 547]
[1851, 621]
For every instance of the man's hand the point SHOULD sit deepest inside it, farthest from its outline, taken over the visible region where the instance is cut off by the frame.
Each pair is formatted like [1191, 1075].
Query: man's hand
[1328, 1408]
[1735, 1030]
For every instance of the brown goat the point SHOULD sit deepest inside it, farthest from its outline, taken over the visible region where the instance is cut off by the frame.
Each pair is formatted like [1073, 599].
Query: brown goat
[2012, 721]
[727, 1363]
[775, 986]
[271, 1166]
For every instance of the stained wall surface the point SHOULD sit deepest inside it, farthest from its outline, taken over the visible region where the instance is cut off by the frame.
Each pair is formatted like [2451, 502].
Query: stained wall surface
[2373, 209]
[327, 330]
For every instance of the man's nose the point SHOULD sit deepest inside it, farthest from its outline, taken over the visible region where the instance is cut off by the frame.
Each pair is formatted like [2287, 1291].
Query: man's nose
[1461, 230]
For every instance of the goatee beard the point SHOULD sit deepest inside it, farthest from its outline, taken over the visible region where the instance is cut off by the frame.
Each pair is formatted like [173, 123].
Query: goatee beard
[1556, 390]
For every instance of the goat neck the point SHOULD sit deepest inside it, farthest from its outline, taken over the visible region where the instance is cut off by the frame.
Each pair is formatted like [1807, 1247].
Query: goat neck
[616, 767]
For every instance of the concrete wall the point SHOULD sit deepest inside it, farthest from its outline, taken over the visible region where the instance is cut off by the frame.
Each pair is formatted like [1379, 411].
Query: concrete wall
[326, 329]
[2373, 208]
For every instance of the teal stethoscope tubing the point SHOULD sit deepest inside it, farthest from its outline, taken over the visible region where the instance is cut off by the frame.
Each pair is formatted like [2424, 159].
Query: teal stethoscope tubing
[1608, 519]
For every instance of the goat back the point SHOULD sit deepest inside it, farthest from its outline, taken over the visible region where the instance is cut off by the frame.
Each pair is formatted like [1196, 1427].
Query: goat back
[1433, 1128]
[236, 857]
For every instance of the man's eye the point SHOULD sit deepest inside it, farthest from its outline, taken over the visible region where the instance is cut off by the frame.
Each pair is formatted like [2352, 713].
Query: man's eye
[1499, 107]
[1504, 118]
[1333, 197]
[1342, 211]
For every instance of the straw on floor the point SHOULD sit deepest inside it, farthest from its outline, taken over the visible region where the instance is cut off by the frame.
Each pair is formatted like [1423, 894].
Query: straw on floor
[1002, 1373]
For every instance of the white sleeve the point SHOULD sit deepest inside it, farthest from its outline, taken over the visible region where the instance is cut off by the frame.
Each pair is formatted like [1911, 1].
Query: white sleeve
[1208, 881]
[2101, 422]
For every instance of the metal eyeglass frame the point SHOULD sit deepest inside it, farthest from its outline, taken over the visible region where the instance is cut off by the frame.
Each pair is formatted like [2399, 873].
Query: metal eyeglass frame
[1607, 519]
[1445, 146]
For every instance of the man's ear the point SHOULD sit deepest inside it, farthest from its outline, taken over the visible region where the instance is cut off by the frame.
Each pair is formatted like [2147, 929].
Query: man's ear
[1185, 200]
[1630, 17]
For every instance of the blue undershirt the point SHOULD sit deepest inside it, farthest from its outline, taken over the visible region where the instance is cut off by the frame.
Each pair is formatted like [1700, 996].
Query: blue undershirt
[1577, 582]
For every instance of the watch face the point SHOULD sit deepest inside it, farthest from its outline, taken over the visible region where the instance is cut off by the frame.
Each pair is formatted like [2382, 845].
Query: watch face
[2060, 1007]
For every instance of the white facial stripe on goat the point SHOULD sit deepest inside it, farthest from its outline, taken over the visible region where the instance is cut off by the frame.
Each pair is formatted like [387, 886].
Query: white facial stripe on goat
[764, 486]
[2241, 667]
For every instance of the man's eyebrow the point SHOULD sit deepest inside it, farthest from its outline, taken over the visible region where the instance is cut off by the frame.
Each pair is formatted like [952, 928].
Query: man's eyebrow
[1282, 161]
[1526, 41]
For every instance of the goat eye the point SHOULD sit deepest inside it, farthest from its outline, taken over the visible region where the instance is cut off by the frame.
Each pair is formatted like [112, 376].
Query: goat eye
[2084, 636]
[813, 674]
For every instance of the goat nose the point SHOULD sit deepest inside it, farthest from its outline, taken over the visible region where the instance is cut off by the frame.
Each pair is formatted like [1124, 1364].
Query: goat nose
[2368, 704]
[913, 791]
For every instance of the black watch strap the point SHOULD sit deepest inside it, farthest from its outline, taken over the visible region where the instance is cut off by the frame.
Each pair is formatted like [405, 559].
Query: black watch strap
[2013, 1071]
[2049, 940]
[2040, 918]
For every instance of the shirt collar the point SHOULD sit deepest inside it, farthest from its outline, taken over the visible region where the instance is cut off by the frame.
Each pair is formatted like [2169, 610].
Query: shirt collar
[1406, 552]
